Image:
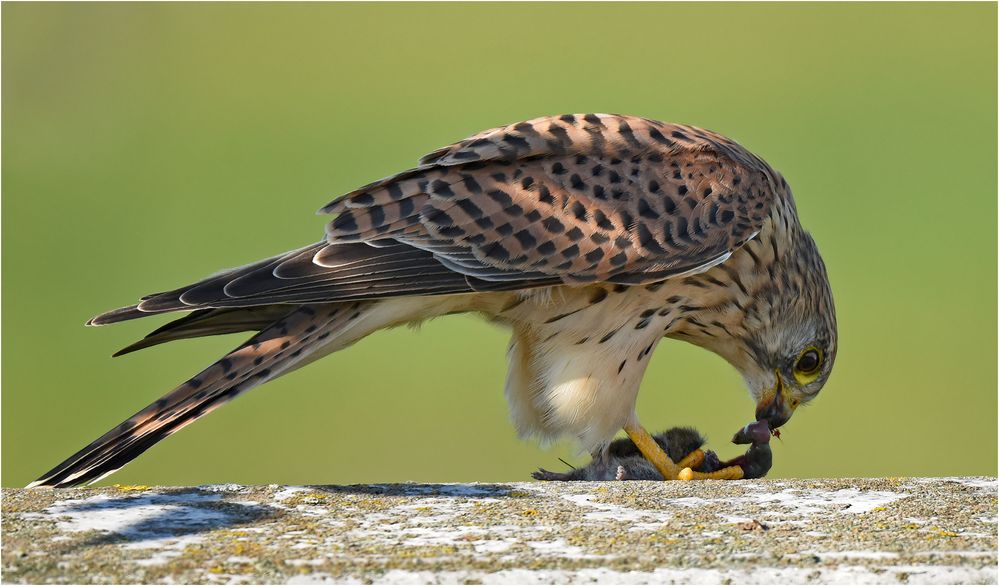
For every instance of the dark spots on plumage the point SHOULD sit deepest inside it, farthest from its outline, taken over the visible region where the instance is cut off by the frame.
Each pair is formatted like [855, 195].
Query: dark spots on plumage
[727, 216]
[619, 288]
[496, 251]
[614, 177]
[599, 192]
[598, 238]
[657, 136]
[734, 276]
[561, 137]
[200, 395]
[619, 259]
[296, 353]
[471, 184]
[595, 255]
[527, 182]
[517, 142]
[602, 220]
[514, 210]
[264, 373]
[526, 239]
[598, 295]
[450, 231]
[395, 191]
[677, 175]
[608, 336]
[593, 119]
[679, 135]
[533, 215]
[664, 312]
[581, 159]
[646, 211]
[714, 281]
[466, 155]
[617, 193]
[469, 207]
[736, 180]
[406, 207]
[682, 190]
[499, 177]
[285, 345]
[655, 286]
[579, 211]
[226, 364]
[571, 252]
[569, 118]
[655, 157]
[626, 219]
[575, 234]
[669, 205]
[576, 182]
[258, 360]
[363, 199]
[505, 229]
[721, 326]
[647, 241]
[597, 170]
[564, 266]
[484, 222]
[694, 282]
[477, 239]
[563, 315]
[439, 218]
[524, 128]
[441, 188]
[545, 196]
[559, 169]
[323, 336]
[195, 382]
[641, 325]
[501, 197]
[621, 366]
[345, 221]
[707, 191]
[647, 313]
[546, 248]
[698, 230]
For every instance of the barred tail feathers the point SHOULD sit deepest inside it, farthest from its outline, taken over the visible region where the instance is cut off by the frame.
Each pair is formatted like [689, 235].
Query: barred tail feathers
[277, 349]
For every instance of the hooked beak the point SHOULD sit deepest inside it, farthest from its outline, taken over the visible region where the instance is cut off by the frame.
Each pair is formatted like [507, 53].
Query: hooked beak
[776, 405]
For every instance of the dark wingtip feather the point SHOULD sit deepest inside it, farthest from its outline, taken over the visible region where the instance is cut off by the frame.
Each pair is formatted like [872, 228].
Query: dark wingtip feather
[117, 315]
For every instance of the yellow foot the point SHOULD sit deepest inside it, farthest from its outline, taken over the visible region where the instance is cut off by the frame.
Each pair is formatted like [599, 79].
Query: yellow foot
[691, 460]
[652, 452]
[730, 473]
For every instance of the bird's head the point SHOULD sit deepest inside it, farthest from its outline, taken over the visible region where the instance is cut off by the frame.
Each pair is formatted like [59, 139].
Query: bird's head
[785, 345]
[789, 355]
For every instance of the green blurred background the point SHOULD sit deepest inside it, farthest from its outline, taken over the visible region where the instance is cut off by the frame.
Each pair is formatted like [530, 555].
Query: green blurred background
[145, 146]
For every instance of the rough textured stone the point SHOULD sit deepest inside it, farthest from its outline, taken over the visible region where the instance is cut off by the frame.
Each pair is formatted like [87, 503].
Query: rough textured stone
[891, 530]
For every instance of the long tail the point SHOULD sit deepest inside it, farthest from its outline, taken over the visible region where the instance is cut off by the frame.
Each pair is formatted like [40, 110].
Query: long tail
[277, 349]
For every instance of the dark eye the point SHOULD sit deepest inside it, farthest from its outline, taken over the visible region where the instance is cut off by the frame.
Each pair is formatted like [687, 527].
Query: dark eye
[809, 362]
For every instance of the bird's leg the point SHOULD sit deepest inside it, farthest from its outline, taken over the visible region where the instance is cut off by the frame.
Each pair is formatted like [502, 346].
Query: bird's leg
[651, 451]
[691, 460]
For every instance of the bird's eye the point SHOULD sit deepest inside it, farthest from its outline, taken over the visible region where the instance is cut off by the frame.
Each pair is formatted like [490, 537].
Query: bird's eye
[806, 369]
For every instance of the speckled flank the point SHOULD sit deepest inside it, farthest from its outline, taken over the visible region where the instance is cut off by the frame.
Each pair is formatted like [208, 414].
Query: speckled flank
[885, 531]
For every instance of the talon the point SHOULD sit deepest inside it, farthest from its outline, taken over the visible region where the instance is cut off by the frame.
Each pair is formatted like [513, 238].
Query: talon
[730, 473]
[652, 452]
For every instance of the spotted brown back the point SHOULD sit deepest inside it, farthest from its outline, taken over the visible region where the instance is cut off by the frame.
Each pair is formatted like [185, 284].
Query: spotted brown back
[583, 198]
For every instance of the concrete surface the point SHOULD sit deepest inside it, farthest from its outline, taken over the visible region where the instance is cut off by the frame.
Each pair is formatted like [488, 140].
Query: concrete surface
[893, 530]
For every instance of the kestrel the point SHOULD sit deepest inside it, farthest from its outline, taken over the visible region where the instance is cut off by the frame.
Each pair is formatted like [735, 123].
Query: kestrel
[591, 236]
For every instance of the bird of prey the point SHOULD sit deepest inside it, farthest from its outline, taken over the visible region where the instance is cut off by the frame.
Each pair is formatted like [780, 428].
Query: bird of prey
[591, 236]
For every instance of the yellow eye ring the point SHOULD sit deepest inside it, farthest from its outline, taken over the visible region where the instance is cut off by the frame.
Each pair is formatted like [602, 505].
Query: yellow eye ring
[808, 365]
